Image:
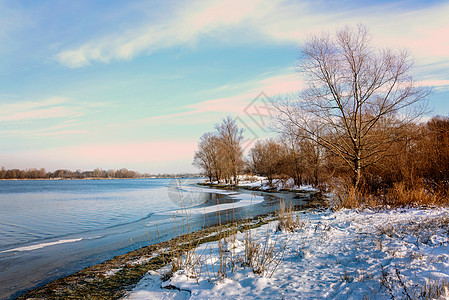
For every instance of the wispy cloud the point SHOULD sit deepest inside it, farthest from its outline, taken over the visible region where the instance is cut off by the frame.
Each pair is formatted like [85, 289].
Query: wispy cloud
[60, 133]
[33, 110]
[424, 31]
[235, 104]
[185, 26]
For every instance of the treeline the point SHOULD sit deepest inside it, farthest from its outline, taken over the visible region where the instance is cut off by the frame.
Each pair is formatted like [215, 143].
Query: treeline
[420, 157]
[98, 173]
[67, 174]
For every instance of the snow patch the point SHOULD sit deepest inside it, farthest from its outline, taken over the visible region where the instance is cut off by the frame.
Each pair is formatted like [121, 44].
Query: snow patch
[42, 245]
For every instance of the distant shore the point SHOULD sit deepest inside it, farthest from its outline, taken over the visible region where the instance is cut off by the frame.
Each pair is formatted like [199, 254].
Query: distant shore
[94, 178]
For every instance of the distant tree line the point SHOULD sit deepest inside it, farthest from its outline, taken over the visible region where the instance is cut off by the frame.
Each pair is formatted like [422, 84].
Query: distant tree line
[98, 173]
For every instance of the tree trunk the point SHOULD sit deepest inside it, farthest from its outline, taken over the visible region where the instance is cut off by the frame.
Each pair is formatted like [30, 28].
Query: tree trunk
[357, 174]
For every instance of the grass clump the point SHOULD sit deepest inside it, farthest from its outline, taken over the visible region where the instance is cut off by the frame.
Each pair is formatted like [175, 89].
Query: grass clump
[287, 219]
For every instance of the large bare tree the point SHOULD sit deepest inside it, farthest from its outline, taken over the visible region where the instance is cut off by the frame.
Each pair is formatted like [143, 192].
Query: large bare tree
[357, 97]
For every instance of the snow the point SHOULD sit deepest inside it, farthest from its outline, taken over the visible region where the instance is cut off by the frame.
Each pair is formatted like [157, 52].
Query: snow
[346, 254]
[239, 200]
[278, 184]
[42, 245]
[150, 288]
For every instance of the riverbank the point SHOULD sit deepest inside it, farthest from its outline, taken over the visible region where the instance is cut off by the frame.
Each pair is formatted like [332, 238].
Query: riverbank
[113, 278]
[262, 185]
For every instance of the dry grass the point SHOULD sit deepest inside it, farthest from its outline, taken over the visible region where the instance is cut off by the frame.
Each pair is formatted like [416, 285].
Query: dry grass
[182, 255]
[344, 195]
[433, 289]
[263, 257]
[287, 220]
[417, 195]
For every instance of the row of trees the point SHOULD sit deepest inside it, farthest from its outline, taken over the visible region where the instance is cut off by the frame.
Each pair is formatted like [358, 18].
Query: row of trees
[220, 156]
[67, 174]
[287, 157]
[420, 156]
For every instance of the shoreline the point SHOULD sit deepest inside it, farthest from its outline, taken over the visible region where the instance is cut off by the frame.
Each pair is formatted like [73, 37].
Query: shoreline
[125, 270]
[113, 278]
[90, 178]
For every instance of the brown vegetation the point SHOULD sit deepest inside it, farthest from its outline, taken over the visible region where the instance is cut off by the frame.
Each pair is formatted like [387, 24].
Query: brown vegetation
[357, 128]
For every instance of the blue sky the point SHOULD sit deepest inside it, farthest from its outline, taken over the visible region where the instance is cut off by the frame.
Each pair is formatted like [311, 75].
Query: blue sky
[111, 84]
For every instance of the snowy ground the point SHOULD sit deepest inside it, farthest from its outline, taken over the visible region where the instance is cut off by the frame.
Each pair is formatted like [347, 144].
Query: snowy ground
[399, 254]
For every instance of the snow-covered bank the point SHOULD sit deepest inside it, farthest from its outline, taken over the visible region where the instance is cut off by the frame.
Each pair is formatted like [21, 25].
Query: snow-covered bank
[263, 184]
[333, 255]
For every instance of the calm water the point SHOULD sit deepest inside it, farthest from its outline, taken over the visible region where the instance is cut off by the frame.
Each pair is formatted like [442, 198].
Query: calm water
[52, 228]
[33, 211]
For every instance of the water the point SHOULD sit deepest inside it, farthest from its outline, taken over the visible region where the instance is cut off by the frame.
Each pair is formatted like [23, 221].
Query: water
[52, 228]
[32, 211]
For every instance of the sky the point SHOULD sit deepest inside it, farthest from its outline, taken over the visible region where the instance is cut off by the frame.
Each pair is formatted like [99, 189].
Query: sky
[134, 84]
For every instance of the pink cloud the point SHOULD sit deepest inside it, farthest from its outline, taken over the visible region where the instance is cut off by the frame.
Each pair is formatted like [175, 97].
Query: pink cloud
[133, 152]
[155, 156]
[236, 104]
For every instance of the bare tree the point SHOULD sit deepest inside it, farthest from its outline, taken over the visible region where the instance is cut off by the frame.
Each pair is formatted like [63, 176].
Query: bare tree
[357, 100]
[230, 138]
[267, 158]
[220, 153]
[294, 164]
[206, 157]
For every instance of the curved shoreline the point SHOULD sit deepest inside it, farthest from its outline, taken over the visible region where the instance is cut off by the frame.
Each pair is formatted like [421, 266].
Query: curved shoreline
[114, 277]
[129, 269]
